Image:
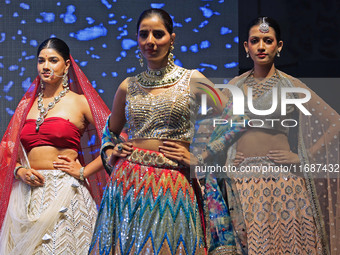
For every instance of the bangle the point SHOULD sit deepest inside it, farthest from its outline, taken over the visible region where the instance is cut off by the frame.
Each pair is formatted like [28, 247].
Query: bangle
[107, 162]
[81, 173]
[16, 170]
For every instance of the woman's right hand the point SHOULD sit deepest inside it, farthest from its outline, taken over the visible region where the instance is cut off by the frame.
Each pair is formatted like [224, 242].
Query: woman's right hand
[31, 177]
[121, 150]
[239, 157]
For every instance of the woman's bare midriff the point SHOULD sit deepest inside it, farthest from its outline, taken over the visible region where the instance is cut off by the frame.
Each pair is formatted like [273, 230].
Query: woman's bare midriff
[42, 157]
[153, 144]
[258, 142]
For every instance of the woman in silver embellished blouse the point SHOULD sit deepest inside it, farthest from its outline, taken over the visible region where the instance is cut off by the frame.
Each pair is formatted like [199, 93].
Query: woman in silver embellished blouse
[279, 191]
[151, 206]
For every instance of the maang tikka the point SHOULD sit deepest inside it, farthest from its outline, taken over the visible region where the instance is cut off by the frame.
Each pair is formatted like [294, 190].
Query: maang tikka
[264, 26]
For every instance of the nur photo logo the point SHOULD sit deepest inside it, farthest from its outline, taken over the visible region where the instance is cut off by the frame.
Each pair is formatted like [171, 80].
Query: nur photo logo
[280, 99]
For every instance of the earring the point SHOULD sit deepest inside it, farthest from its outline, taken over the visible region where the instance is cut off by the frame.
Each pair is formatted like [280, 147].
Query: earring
[41, 85]
[247, 56]
[171, 55]
[65, 80]
[140, 57]
[278, 54]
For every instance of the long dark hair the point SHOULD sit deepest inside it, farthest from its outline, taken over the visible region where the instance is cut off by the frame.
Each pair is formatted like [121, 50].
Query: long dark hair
[56, 44]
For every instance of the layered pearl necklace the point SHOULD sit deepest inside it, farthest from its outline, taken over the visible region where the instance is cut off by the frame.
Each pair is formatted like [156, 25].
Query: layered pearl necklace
[44, 110]
[159, 78]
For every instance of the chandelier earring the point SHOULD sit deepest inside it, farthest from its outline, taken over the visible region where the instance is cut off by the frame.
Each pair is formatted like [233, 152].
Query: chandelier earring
[171, 55]
[41, 85]
[278, 54]
[140, 57]
[65, 80]
[247, 55]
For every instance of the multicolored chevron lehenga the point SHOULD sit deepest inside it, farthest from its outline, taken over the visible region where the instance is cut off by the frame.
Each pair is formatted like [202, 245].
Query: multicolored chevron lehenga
[148, 209]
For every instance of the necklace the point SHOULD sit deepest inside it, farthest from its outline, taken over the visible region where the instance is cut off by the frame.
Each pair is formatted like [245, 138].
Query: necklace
[44, 110]
[159, 78]
[260, 88]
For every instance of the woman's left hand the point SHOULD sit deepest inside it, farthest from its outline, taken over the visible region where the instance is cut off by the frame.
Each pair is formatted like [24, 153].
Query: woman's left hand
[239, 157]
[176, 152]
[68, 165]
[283, 157]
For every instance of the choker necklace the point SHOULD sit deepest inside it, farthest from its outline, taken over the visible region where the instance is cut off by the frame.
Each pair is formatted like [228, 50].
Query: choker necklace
[260, 88]
[43, 110]
[159, 78]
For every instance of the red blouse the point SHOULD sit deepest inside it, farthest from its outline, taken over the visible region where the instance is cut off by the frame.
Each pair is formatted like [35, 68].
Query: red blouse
[55, 131]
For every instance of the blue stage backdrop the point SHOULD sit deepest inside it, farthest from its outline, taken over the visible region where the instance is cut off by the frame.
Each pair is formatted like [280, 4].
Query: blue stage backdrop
[102, 38]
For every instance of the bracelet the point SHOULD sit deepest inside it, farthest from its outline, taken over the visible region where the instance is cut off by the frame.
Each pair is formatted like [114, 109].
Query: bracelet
[16, 170]
[107, 162]
[81, 173]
